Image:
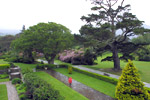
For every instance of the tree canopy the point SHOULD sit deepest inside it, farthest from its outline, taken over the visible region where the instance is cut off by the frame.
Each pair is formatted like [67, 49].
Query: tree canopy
[101, 29]
[47, 38]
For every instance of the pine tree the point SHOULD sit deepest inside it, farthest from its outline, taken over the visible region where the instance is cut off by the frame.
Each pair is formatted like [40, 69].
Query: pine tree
[129, 86]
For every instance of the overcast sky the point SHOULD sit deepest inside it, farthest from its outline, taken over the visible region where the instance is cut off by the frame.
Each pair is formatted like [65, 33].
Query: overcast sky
[16, 13]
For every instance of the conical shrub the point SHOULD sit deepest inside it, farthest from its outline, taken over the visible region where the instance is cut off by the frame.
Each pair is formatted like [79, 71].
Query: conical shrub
[129, 86]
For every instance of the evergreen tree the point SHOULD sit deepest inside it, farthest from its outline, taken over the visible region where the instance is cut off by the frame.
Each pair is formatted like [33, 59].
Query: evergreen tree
[101, 29]
[129, 86]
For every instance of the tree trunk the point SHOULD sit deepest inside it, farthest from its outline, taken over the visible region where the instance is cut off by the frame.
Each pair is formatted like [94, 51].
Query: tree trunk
[51, 60]
[31, 57]
[116, 59]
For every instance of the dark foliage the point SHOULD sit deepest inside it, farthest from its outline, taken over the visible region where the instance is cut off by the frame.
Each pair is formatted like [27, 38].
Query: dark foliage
[38, 89]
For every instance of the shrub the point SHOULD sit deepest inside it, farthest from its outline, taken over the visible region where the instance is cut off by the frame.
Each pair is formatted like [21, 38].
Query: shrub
[43, 66]
[70, 69]
[98, 76]
[16, 81]
[22, 97]
[12, 65]
[78, 57]
[46, 93]
[63, 65]
[4, 66]
[21, 90]
[19, 60]
[40, 89]
[42, 62]
[26, 70]
[129, 86]
[11, 59]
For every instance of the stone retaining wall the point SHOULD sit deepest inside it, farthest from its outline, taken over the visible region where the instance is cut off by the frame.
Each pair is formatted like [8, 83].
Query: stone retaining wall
[3, 71]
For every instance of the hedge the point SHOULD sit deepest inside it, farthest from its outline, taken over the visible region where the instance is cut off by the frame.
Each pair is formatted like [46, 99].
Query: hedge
[4, 66]
[21, 90]
[95, 75]
[39, 89]
[43, 66]
[98, 76]
[16, 81]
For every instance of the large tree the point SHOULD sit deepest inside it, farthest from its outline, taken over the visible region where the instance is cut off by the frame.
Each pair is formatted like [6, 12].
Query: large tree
[47, 38]
[102, 27]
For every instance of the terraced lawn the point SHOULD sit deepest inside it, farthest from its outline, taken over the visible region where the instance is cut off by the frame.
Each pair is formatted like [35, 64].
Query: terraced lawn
[107, 66]
[64, 90]
[99, 85]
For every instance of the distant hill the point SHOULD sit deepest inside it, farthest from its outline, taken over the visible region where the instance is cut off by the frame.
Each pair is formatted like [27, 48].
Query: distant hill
[4, 32]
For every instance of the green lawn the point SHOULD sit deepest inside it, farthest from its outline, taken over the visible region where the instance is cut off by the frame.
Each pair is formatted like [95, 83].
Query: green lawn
[24, 66]
[4, 80]
[3, 92]
[64, 90]
[142, 66]
[3, 62]
[106, 66]
[99, 85]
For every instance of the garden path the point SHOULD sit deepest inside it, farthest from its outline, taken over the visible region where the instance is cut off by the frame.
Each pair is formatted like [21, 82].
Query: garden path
[79, 87]
[103, 73]
[98, 72]
[11, 91]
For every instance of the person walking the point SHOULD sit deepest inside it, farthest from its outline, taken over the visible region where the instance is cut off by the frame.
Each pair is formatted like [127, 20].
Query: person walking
[70, 81]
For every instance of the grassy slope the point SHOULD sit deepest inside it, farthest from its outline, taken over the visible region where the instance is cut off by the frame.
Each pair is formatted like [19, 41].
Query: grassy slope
[3, 92]
[102, 86]
[64, 90]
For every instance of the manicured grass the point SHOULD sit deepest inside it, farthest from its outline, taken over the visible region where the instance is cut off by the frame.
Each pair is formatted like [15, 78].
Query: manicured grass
[99, 85]
[24, 66]
[64, 90]
[4, 80]
[142, 66]
[3, 62]
[107, 66]
[3, 92]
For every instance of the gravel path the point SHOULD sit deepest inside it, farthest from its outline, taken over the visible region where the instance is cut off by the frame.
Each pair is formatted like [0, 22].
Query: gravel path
[103, 73]
[11, 91]
[88, 92]
[98, 72]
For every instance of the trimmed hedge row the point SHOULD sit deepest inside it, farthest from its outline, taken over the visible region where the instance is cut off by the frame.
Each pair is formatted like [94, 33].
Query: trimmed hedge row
[101, 77]
[98, 76]
[43, 66]
[4, 66]
[39, 89]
